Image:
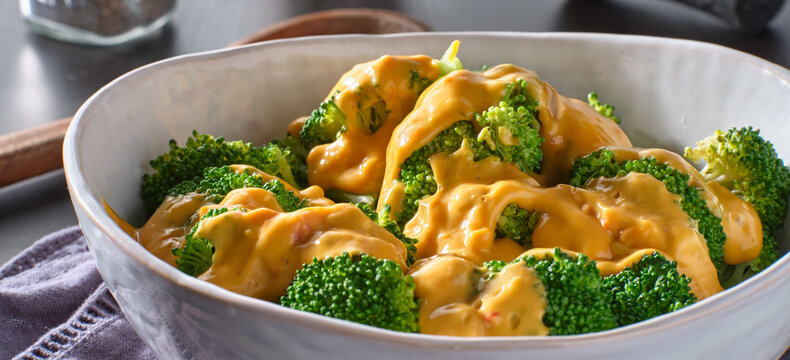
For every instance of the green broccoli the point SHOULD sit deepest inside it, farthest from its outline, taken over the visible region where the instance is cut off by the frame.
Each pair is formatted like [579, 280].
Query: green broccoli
[195, 257]
[416, 173]
[517, 224]
[605, 110]
[324, 125]
[647, 289]
[203, 151]
[417, 81]
[356, 288]
[286, 198]
[384, 220]
[743, 162]
[516, 116]
[216, 182]
[576, 302]
[601, 163]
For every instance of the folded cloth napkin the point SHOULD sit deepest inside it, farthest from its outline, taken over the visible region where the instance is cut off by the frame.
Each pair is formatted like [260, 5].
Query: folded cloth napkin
[54, 305]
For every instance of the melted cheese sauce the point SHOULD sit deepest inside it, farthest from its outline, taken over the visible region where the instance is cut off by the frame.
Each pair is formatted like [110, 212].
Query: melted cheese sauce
[457, 299]
[355, 161]
[258, 251]
[739, 219]
[569, 126]
[613, 221]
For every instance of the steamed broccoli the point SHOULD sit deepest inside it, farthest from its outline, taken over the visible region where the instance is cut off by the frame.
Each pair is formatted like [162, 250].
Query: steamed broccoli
[510, 129]
[576, 302]
[605, 110]
[383, 219]
[517, 224]
[601, 163]
[747, 165]
[647, 289]
[195, 257]
[217, 182]
[356, 288]
[286, 198]
[509, 132]
[324, 125]
[419, 82]
[203, 151]
[416, 173]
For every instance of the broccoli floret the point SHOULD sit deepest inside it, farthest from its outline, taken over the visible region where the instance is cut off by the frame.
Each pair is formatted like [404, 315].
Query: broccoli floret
[416, 173]
[327, 122]
[296, 155]
[576, 302]
[494, 266]
[216, 182]
[195, 257]
[384, 220]
[324, 125]
[605, 110]
[510, 129]
[356, 288]
[745, 163]
[647, 289]
[514, 118]
[286, 198]
[416, 81]
[203, 151]
[601, 163]
[517, 224]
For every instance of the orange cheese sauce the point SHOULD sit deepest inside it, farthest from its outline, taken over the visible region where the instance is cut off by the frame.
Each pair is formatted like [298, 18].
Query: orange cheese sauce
[569, 127]
[456, 298]
[610, 220]
[739, 219]
[258, 251]
[355, 161]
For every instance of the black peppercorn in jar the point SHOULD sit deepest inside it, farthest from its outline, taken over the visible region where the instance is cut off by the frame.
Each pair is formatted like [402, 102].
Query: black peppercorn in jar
[96, 22]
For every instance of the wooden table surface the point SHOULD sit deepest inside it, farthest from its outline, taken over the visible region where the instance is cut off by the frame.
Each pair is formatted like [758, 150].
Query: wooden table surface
[43, 80]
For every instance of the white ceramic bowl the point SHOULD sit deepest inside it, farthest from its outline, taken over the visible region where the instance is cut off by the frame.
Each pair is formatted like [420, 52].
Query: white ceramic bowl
[669, 93]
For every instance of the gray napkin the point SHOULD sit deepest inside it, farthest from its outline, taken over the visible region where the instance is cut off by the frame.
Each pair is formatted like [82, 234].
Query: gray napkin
[54, 305]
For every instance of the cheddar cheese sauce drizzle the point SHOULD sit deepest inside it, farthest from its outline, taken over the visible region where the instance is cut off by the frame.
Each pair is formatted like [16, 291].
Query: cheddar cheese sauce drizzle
[569, 126]
[355, 161]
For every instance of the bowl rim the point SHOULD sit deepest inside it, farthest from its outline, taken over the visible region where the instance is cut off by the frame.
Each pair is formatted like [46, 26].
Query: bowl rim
[93, 209]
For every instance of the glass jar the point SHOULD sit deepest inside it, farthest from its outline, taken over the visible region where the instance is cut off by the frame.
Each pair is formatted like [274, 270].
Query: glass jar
[96, 22]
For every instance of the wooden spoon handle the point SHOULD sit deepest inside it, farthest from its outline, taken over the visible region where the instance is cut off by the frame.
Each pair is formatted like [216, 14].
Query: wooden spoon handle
[32, 152]
[38, 150]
